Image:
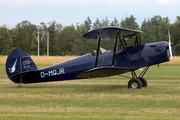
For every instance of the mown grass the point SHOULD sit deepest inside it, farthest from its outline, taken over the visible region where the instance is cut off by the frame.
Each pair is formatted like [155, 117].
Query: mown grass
[101, 98]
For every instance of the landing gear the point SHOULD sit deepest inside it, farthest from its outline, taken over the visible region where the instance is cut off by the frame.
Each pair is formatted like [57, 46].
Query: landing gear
[19, 85]
[134, 83]
[138, 82]
[20, 82]
[144, 82]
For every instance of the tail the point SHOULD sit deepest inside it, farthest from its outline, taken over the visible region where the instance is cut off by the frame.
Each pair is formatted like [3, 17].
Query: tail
[18, 64]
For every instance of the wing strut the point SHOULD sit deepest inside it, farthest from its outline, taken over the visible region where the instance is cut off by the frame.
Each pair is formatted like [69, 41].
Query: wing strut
[115, 45]
[123, 43]
[139, 39]
[137, 42]
[99, 41]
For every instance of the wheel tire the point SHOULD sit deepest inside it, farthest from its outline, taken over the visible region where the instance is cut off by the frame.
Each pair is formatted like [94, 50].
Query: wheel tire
[135, 83]
[144, 82]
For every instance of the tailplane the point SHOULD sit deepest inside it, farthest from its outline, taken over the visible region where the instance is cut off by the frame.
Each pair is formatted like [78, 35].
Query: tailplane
[19, 63]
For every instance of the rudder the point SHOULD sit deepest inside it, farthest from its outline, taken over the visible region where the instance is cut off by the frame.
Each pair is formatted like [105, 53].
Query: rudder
[18, 63]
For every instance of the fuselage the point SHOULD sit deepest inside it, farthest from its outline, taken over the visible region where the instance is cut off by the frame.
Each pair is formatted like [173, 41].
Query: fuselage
[133, 57]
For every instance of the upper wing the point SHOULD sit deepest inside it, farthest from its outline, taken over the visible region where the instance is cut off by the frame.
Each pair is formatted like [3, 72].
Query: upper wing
[103, 72]
[110, 32]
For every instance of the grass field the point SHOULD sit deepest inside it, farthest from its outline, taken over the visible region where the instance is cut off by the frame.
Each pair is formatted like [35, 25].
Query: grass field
[97, 99]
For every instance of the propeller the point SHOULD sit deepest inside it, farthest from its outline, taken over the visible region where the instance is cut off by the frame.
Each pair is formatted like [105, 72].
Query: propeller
[170, 48]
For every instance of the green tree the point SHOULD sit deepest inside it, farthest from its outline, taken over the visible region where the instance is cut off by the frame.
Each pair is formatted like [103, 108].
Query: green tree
[129, 22]
[175, 36]
[115, 23]
[96, 24]
[104, 22]
[23, 36]
[82, 47]
[54, 30]
[67, 41]
[88, 24]
[5, 41]
[155, 29]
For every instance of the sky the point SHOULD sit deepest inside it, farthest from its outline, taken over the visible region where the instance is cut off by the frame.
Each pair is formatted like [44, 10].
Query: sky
[68, 12]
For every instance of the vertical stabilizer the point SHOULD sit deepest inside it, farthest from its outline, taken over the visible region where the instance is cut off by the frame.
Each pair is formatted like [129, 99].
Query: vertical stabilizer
[18, 63]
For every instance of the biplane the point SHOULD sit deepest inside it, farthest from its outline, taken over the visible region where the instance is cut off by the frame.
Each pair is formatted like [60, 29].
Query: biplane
[21, 69]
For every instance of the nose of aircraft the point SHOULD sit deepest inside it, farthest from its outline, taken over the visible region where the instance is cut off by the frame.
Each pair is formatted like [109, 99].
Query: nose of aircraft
[155, 53]
[165, 54]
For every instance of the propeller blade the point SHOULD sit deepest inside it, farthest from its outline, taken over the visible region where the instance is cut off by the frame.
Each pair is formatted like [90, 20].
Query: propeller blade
[170, 48]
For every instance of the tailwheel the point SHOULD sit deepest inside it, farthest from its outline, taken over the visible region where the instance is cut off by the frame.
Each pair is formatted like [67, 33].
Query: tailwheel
[144, 82]
[20, 82]
[135, 83]
[19, 85]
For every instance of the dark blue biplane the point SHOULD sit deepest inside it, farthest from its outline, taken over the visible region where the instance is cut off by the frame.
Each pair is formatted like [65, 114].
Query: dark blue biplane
[21, 69]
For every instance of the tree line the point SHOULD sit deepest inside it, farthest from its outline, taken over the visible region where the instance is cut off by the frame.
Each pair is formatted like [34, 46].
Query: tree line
[67, 40]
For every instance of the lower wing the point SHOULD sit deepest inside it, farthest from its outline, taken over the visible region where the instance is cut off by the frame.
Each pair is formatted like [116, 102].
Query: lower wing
[103, 72]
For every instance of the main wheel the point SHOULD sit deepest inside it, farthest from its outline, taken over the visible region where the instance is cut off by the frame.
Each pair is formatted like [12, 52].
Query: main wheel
[144, 82]
[135, 83]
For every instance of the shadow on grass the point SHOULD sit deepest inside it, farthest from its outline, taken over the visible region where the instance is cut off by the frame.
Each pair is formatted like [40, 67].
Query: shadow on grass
[70, 88]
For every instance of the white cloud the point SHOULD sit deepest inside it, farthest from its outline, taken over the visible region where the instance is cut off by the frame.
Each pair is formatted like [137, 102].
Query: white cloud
[112, 1]
[24, 2]
[80, 2]
[127, 1]
[167, 1]
[72, 11]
